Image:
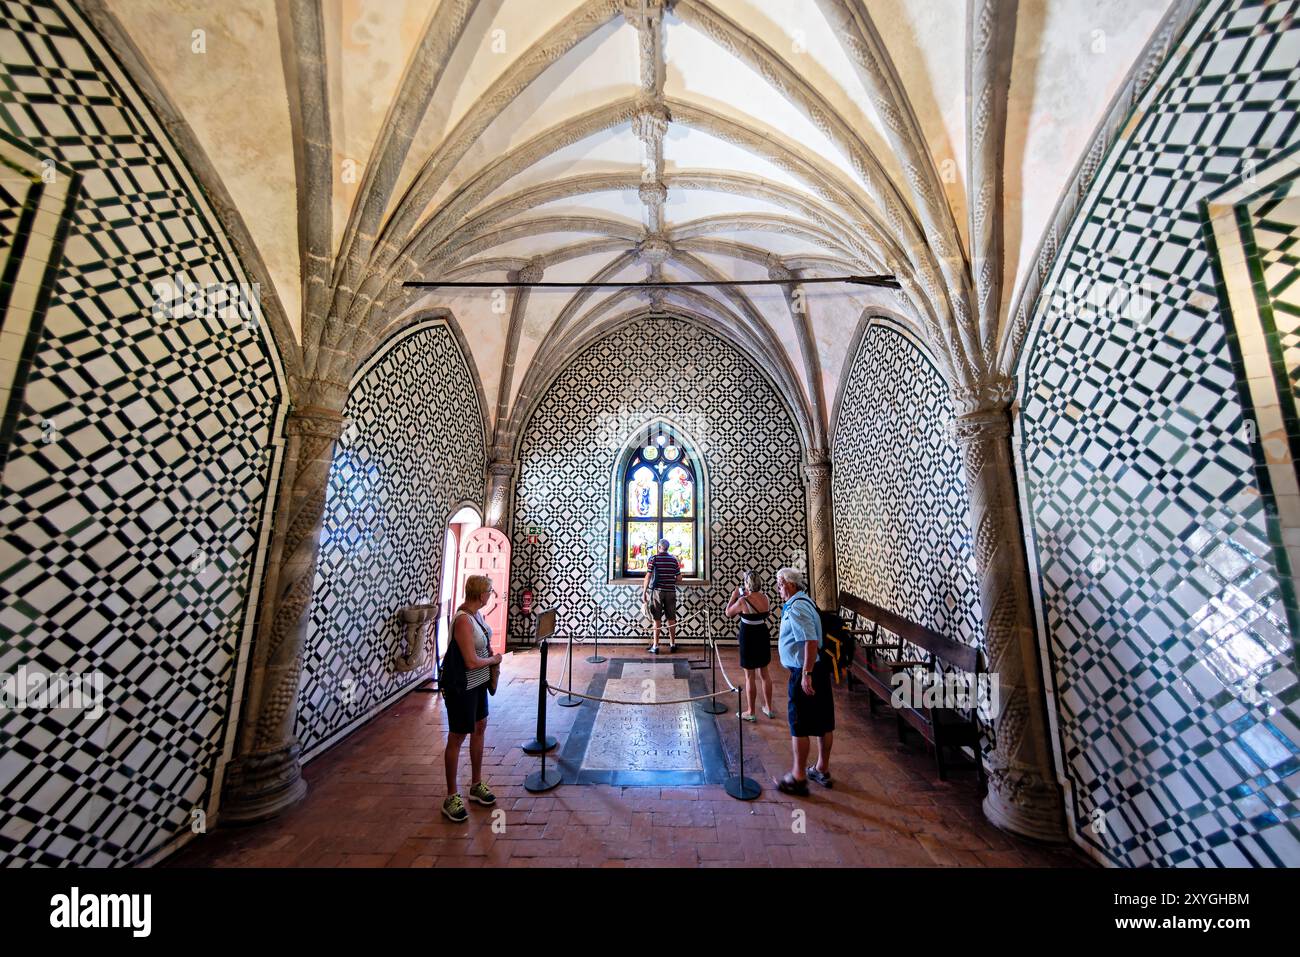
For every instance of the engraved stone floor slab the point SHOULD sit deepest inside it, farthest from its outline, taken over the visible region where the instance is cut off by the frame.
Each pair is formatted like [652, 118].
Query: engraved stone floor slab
[639, 737]
[635, 744]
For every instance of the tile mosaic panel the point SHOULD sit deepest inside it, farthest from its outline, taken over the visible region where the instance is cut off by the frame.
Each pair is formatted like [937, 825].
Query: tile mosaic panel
[902, 512]
[413, 452]
[34, 197]
[134, 498]
[1172, 661]
[1274, 222]
[756, 513]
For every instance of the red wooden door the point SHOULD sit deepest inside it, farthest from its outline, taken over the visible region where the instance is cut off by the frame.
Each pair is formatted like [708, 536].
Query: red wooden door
[486, 551]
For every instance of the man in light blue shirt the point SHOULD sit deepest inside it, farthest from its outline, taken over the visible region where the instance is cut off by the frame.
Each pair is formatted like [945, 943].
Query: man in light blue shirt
[811, 708]
[801, 625]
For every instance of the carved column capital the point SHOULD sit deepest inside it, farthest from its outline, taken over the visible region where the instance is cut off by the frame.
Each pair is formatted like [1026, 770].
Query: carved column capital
[314, 422]
[993, 395]
[981, 426]
[500, 487]
[818, 462]
[320, 395]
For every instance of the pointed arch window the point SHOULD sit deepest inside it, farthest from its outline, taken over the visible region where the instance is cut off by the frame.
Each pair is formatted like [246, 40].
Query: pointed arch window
[658, 489]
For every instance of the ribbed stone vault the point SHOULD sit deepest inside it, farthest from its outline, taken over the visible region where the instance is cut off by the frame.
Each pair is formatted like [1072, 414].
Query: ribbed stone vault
[635, 139]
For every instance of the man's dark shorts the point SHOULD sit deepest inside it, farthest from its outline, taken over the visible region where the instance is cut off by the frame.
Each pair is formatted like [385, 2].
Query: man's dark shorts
[663, 604]
[811, 717]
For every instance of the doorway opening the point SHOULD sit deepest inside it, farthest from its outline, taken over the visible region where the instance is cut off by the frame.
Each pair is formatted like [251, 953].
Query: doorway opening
[462, 522]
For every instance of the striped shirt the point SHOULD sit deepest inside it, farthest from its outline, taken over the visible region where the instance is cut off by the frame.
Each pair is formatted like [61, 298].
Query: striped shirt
[663, 571]
[482, 647]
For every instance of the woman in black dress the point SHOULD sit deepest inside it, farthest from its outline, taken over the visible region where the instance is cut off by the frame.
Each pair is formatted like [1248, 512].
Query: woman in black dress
[751, 605]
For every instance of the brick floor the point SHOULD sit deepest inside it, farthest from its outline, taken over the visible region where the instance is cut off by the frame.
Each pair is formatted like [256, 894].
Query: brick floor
[374, 801]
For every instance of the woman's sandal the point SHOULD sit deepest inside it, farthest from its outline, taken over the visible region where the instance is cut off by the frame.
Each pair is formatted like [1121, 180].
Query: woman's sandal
[791, 785]
[769, 713]
[745, 717]
[653, 649]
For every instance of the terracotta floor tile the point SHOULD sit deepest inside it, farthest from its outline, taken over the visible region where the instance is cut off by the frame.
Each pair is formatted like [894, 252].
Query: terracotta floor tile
[374, 800]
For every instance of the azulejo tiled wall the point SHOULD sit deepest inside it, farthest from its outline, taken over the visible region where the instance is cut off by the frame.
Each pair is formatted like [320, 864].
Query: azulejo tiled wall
[1156, 578]
[746, 438]
[137, 482]
[902, 512]
[411, 453]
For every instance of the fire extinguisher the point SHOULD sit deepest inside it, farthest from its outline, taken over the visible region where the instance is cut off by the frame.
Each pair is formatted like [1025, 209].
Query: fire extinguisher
[526, 600]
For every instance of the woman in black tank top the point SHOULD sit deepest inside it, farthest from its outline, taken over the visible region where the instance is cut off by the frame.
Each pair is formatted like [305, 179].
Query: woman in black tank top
[750, 604]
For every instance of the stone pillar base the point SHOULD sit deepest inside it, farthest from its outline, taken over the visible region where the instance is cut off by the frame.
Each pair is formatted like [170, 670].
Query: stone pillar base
[1017, 806]
[261, 784]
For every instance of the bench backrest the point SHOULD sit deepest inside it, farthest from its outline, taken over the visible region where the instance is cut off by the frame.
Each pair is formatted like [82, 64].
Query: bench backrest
[961, 656]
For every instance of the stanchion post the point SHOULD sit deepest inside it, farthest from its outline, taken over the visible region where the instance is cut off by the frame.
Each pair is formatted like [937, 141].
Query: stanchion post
[714, 706]
[569, 701]
[596, 658]
[544, 778]
[739, 786]
[542, 743]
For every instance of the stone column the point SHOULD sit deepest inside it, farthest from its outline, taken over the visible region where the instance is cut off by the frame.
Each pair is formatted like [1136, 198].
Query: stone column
[821, 531]
[500, 494]
[1023, 795]
[265, 777]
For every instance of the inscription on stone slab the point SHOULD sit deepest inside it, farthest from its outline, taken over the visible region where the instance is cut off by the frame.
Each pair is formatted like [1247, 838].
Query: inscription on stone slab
[642, 737]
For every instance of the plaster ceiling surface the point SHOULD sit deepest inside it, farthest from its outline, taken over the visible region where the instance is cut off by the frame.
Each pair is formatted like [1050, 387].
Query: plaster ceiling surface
[235, 73]
[640, 139]
[1052, 116]
[371, 41]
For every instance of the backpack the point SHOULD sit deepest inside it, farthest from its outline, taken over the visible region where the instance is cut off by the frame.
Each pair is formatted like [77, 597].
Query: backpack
[837, 644]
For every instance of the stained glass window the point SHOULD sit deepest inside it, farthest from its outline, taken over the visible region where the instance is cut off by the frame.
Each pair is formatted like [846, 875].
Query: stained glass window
[659, 499]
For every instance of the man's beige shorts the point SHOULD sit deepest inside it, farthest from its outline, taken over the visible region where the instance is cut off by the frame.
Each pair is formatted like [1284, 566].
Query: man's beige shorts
[663, 604]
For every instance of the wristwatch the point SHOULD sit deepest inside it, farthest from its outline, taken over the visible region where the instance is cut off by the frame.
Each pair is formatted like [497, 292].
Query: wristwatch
[808, 671]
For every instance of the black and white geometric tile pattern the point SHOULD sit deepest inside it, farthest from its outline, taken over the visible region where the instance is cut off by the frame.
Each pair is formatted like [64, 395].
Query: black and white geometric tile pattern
[902, 511]
[746, 439]
[413, 451]
[1174, 669]
[1275, 227]
[134, 499]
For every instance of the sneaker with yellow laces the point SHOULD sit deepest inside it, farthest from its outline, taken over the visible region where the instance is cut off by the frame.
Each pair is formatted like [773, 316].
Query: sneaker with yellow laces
[482, 795]
[454, 809]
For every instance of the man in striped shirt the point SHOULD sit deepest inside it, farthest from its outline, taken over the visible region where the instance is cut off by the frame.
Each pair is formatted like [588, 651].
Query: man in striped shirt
[662, 574]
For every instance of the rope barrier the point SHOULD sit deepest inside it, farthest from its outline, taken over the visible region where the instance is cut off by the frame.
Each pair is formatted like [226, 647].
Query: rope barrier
[579, 694]
[738, 786]
[721, 667]
[712, 694]
[578, 639]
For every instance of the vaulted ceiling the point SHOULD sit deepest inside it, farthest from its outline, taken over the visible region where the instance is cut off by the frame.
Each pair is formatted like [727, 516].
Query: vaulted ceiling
[365, 142]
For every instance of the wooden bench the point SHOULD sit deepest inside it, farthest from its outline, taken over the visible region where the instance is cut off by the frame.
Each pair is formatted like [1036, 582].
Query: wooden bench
[888, 645]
